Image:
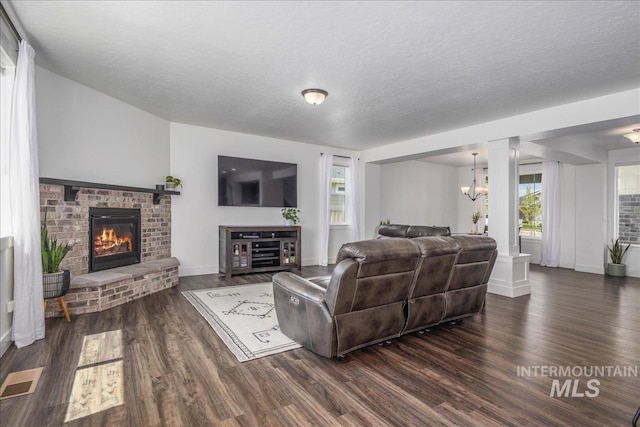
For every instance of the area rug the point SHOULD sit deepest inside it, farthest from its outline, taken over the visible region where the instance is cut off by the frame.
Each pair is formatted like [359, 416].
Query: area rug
[244, 317]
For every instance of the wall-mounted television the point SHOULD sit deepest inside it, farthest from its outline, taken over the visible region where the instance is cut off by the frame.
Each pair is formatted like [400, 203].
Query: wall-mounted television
[261, 183]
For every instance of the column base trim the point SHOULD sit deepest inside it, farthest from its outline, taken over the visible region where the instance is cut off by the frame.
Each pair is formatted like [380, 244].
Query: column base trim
[510, 276]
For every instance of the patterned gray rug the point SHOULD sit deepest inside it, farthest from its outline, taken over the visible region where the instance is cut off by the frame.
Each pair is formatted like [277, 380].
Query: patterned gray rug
[244, 317]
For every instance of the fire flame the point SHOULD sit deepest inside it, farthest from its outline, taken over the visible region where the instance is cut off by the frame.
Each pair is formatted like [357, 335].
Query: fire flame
[108, 242]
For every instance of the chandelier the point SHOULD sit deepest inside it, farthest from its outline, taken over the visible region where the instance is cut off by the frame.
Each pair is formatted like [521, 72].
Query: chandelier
[474, 191]
[633, 136]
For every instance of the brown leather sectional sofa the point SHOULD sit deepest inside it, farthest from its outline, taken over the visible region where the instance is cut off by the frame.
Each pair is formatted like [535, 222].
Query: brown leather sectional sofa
[384, 288]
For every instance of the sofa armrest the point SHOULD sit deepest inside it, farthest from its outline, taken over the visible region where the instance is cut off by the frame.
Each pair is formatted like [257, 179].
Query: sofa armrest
[302, 313]
[300, 286]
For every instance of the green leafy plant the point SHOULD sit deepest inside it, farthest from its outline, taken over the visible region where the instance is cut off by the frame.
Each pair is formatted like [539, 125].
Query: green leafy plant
[291, 214]
[383, 222]
[617, 251]
[52, 252]
[172, 179]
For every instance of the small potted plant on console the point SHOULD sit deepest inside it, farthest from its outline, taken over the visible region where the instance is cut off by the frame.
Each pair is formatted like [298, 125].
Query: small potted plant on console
[290, 216]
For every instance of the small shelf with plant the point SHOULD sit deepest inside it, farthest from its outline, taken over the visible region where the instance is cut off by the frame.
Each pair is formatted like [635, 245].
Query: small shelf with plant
[172, 183]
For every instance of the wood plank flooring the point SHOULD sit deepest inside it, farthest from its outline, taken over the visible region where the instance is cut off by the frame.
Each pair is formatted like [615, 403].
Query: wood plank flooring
[177, 372]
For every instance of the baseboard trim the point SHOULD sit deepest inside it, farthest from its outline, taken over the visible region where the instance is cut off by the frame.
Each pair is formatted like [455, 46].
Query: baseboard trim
[5, 342]
[507, 290]
[569, 265]
[589, 269]
[197, 271]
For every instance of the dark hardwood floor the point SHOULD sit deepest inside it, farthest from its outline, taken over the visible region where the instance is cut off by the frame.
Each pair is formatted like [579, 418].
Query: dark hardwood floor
[177, 372]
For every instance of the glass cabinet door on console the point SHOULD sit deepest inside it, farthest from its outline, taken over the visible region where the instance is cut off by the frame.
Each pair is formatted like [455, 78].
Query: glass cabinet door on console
[289, 254]
[240, 256]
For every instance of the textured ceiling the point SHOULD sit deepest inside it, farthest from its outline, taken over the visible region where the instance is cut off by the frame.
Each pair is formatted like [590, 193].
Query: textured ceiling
[394, 70]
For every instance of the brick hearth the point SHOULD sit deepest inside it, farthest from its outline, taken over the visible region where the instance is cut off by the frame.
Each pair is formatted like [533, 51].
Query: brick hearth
[68, 221]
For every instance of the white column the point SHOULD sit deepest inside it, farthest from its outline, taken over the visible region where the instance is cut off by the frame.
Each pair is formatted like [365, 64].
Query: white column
[510, 276]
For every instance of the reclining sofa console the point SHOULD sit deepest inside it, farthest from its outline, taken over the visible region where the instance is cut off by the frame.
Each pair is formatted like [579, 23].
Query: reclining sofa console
[384, 288]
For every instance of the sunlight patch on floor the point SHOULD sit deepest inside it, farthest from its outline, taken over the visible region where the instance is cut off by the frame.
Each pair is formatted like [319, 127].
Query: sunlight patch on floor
[98, 384]
[101, 347]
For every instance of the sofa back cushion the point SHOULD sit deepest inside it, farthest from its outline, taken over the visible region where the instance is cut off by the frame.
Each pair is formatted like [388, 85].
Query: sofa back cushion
[424, 230]
[475, 261]
[392, 230]
[371, 273]
[439, 255]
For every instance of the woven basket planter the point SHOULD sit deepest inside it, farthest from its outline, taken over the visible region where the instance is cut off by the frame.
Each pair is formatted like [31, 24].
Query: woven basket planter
[55, 285]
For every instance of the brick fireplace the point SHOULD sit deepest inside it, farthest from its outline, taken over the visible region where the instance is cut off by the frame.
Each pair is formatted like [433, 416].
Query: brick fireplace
[69, 210]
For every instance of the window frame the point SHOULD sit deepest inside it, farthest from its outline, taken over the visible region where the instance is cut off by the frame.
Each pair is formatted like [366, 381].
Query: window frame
[616, 201]
[7, 82]
[534, 171]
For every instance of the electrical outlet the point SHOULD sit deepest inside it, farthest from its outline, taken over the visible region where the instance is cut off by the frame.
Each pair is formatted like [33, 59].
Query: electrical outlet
[10, 306]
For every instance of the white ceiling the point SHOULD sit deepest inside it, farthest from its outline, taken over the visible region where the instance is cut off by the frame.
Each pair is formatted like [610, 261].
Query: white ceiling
[578, 146]
[394, 70]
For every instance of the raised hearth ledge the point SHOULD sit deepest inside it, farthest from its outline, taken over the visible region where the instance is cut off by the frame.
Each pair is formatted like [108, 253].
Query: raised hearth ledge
[119, 274]
[102, 290]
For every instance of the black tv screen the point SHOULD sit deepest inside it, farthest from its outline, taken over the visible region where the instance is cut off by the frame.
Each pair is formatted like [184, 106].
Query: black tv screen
[250, 182]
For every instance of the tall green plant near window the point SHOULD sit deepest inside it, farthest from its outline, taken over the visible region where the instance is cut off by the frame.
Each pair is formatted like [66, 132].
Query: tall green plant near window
[617, 251]
[52, 252]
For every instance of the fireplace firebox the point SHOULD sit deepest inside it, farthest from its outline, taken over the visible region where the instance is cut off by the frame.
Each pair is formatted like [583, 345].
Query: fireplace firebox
[114, 237]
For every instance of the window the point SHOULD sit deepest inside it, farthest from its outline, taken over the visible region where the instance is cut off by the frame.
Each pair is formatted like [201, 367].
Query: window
[339, 193]
[529, 206]
[627, 201]
[7, 73]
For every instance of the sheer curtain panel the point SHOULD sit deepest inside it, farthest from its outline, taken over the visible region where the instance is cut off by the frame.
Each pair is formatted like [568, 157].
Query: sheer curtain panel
[550, 214]
[326, 163]
[28, 317]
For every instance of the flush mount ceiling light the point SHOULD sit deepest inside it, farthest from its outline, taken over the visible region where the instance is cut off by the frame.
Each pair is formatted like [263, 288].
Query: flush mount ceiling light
[314, 96]
[474, 191]
[633, 136]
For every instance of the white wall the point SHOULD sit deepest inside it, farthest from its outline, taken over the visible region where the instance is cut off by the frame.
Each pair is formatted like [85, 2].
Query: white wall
[85, 135]
[590, 218]
[419, 193]
[196, 214]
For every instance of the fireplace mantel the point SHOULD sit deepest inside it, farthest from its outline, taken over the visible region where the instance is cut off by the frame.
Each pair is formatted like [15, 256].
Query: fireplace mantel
[71, 188]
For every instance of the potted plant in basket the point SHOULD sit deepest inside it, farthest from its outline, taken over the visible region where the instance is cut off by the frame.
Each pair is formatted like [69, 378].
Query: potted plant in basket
[617, 252]
[290, 216]
[171, 182]
[55, 282]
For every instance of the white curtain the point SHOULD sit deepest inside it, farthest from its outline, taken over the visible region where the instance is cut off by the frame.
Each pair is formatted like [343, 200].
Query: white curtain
[325, 206]
[28, 317]
[550, 215]
[354, 198]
